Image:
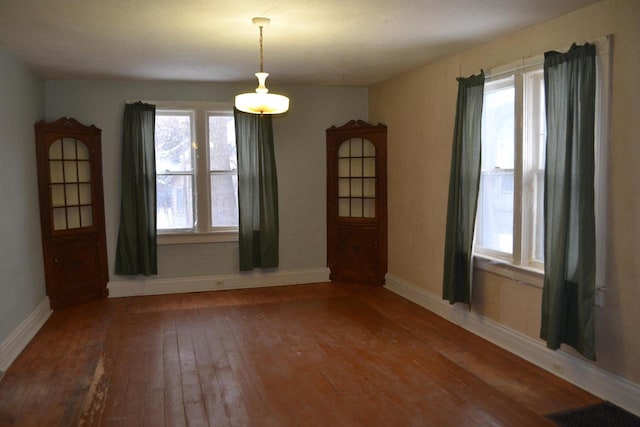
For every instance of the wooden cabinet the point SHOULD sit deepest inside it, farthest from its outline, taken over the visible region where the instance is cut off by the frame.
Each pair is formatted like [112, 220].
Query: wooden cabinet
[357, 202]
[71, 211]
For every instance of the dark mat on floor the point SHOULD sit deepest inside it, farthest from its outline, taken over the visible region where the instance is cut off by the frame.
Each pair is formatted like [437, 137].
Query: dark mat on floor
[601, 415]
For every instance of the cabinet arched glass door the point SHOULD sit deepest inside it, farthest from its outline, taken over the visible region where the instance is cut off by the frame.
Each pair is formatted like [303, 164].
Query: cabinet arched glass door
[357, 179]
[70, 185]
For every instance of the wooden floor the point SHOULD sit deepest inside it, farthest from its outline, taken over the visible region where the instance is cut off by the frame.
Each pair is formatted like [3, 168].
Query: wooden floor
[309, 355]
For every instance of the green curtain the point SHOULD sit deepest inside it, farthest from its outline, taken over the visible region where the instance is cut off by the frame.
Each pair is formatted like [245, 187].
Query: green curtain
[463, 190]
[569, 215]
[257, 191]
[136, 251]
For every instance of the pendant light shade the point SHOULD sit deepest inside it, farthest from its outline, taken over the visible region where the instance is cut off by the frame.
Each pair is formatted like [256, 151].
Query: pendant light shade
[261, 101]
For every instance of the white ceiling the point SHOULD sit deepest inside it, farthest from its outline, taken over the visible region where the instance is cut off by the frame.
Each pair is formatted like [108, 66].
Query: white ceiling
[351, 42]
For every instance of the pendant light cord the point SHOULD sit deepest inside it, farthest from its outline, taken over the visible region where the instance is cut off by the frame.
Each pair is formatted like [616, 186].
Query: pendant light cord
[261, 54]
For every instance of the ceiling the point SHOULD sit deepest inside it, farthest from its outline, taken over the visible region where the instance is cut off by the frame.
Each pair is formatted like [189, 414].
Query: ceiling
[325, 42]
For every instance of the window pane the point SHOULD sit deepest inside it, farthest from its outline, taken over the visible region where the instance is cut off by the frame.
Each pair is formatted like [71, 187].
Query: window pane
[495, 211]
[498, 118]
[175, 202]
[173, 142]
[542, 147]
[538, 252]
[222, 143]
[495, 199]
[224, 200]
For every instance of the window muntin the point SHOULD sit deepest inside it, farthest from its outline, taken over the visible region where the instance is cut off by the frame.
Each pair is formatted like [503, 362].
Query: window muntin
[196, 182]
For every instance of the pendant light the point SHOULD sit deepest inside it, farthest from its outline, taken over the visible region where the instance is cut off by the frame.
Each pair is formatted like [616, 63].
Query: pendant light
[261, 101]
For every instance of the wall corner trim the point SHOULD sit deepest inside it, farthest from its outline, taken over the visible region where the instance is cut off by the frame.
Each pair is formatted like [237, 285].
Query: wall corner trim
[254, 279]
[18, 340]
[580, 372]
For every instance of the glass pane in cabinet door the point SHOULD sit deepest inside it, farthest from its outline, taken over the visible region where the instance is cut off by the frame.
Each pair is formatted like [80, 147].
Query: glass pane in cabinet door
[356, 187]
[83, 151]
[69, 148]
[71, 191]
[85, 194]
[73, 217]
[86, 216]
[368, 149]
[343, 207]
[356, 208]
[70, 171]
[343, 187]
[369, 167]
[57, 195]
[343, 168]
[59, 219]
[55, 172]
[369, 208]
[369, 187]
[356, 167]
[343, 150]
[55, 150]
[84, 171]
[356, 147]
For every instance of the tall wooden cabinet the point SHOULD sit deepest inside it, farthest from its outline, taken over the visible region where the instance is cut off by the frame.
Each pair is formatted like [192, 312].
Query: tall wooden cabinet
[357, 202]
[71, 211]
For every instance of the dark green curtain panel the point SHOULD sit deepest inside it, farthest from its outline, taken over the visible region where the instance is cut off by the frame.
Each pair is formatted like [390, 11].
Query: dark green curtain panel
[136, 251]
[569, 214]
[257, 191]
[463, 190]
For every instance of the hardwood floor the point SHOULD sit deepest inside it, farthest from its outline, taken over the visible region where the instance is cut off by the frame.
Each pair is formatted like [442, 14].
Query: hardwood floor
[323, 354]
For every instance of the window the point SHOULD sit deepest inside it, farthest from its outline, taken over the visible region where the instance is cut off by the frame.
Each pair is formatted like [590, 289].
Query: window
[175, 170]
[510, 217]
[509, 222]
[196, 173]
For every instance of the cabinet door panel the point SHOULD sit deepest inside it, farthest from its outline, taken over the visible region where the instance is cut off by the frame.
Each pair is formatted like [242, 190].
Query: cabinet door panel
[75, 262]
[357, 256]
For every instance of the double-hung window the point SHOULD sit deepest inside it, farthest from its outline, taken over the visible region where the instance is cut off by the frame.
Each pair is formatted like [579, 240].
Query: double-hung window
[510, 216]
[196, 173]
[509, 220]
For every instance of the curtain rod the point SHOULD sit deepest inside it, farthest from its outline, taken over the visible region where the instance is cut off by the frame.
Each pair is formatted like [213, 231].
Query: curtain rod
[603, 46]
[489, 74]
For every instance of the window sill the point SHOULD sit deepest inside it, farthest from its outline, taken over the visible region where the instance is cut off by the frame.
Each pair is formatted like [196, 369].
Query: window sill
[519, 273]
[196, 238]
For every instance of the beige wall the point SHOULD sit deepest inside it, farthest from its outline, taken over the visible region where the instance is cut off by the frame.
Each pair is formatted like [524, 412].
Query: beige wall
[419, 108]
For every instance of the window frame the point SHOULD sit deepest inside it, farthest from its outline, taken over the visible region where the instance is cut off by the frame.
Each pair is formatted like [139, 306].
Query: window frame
[501, 82]
[192, 173]
[534, 276]
[524, 200]
[202, 231]
[213, 172]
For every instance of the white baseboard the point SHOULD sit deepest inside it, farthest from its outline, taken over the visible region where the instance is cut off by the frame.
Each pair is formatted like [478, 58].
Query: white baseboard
[11, 347]
[256, 279]
[584, 374]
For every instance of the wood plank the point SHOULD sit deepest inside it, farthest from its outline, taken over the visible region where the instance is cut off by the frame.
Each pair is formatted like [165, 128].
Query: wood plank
[301, 355]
